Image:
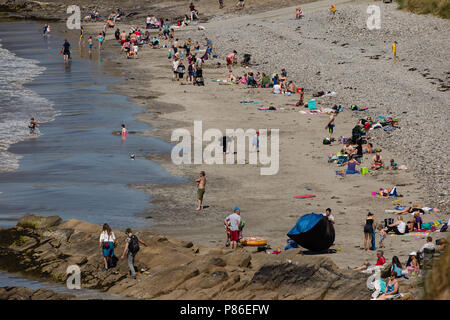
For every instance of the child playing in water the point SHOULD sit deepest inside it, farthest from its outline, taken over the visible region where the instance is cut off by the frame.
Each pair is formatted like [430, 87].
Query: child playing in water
[124, 131]
[90, 44]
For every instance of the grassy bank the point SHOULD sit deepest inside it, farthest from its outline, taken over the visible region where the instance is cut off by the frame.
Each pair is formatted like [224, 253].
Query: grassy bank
[439, 8]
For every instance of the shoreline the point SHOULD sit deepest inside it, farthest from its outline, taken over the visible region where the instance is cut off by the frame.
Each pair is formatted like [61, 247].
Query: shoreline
[164, 114]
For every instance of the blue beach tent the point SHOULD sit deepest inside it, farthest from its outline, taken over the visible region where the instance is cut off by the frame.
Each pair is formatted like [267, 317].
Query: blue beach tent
[313, 231]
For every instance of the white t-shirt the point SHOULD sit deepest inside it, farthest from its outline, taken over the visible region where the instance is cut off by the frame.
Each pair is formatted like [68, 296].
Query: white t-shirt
[277, 88]
[108, 238]
[175, 65]
[234, 221]
[330, 217]
[401, 227]
[135, 48]
[199, 62]
[149, 20]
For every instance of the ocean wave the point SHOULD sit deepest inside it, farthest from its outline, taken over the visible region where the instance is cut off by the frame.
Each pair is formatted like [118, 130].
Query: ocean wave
[18, 104]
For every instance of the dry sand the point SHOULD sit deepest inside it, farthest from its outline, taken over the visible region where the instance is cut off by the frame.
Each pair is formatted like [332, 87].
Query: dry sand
[266, 202]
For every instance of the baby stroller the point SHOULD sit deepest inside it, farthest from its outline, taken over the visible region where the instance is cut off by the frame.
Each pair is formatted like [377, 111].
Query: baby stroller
[246, 61]
[198, 79]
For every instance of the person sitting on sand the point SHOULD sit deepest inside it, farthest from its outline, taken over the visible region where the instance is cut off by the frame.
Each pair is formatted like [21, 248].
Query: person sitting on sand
[251, 80]
[265, 81]
[377, 161]
[412, 265]
[417, 221]
[348, 148]
[258, 79]
[291, 87]
[351, 165]
[368, 148]
[381, 260]
[399, 227]
[299, 13]
[240, 4]
[411, 224]
[391, 289]
[276, 89]
[393, 165]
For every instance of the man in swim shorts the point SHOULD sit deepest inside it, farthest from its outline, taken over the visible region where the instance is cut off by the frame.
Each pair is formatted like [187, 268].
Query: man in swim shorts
[201, 184]
[233, 221]
[330, 126]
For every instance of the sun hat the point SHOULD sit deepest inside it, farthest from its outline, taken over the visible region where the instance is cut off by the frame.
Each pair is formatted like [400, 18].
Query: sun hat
[413, 253]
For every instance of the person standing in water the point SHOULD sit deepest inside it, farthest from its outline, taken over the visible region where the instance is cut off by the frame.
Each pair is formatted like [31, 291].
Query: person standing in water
[124, 132]
[201, 184]
[100, 41]
[81, 36]
[90, 43]
[33, 125]
[66, 50]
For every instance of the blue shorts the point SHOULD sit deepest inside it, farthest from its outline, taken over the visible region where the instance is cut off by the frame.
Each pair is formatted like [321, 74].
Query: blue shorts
[108, 252]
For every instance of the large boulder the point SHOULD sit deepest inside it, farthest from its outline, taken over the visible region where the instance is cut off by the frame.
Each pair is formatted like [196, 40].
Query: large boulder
[38, 222]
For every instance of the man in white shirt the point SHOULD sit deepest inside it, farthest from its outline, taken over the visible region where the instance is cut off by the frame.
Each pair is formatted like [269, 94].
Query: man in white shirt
[329, 215]
[428, 245]
[234, 221]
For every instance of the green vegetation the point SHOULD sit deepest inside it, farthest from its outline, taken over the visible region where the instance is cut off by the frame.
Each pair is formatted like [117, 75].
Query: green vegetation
[439, 8]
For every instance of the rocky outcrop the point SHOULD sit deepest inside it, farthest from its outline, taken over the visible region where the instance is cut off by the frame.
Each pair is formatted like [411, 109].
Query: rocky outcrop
[170, 268]
[22, 293]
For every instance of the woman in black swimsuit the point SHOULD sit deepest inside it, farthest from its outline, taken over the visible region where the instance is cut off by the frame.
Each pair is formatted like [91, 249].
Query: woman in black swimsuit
[368, 231]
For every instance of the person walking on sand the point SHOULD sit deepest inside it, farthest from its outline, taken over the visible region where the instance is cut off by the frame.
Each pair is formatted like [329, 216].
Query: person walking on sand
[131, 249]
[33, 125]
[233, 221]
[66, 50]
[220, 4]
[107, 239]
[330, 125]
[201, 184]
[368, 231]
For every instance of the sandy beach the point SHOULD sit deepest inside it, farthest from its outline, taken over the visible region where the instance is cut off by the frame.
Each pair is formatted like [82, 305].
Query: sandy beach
[267, 202]
[319, 53]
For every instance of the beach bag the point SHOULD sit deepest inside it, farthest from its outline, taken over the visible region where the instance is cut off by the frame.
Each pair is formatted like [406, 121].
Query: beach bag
[326, 141]
[364, 170]
[444, 228]
[133, 246]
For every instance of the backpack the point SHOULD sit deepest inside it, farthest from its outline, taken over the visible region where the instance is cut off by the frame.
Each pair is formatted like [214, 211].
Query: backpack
[133, 246]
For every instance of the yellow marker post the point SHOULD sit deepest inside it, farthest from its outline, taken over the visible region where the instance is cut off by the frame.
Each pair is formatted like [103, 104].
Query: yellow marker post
[394, 50]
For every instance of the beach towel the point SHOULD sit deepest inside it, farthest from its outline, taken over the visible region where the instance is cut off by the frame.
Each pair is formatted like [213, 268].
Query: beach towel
[311, 112]
[249, 102]
[305, 196]
[267, 109]
[411, 234]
